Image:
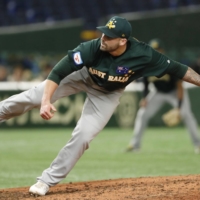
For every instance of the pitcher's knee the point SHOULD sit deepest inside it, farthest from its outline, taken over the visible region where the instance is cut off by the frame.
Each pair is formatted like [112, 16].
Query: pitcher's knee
[85, 142]
[4, 112]
[4, 108]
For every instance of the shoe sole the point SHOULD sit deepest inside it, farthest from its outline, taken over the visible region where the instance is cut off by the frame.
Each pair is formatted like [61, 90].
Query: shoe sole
[34, 195]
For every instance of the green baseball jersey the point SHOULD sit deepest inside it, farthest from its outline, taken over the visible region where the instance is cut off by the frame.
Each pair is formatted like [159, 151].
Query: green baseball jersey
[112, 73]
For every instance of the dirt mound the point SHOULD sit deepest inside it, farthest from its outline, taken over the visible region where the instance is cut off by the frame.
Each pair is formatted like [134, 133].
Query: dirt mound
[145, 188]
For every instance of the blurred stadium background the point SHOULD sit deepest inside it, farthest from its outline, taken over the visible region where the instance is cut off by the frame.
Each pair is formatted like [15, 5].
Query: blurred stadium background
[35, 35]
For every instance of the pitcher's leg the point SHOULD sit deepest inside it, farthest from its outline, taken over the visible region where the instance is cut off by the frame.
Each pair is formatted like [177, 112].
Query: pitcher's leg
[96, 113]
[21, 103]
[27, 100]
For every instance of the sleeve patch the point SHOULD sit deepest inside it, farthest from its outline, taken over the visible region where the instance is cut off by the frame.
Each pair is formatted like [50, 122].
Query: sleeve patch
[77, 58]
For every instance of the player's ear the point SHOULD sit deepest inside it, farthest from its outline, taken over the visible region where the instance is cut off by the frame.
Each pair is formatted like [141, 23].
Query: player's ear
[123, 41]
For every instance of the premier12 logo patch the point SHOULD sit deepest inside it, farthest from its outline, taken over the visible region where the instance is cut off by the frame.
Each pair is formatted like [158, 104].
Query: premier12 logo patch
[77, 58]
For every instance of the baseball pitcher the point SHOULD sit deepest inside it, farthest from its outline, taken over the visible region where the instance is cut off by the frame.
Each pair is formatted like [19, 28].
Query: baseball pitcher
[102, 68]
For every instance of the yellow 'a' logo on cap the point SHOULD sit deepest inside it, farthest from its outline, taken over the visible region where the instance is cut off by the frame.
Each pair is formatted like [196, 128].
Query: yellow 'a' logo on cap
[110, 24]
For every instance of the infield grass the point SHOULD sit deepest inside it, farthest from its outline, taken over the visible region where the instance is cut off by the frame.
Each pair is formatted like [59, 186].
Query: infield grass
[25, 153]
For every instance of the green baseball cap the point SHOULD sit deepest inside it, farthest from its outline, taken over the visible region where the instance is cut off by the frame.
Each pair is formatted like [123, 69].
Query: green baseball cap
[117, 27]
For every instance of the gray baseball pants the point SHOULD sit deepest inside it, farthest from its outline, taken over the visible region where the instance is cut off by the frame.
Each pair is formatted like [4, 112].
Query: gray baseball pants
[97, 110]
[154, 102]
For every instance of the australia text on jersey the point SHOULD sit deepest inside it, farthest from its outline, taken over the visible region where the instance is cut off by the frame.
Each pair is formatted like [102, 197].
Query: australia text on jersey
[110, 78]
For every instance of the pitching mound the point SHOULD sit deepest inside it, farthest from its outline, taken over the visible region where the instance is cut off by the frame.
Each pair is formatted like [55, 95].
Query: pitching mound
[150, 188]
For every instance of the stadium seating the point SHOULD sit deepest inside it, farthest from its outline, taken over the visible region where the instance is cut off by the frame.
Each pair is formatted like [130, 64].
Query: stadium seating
[15, 12]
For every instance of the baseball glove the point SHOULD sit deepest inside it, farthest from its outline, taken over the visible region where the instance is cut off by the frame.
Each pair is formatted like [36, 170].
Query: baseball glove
[172, 117]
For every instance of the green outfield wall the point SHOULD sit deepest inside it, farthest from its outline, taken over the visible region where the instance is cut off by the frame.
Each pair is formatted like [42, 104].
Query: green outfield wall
[69, 110]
